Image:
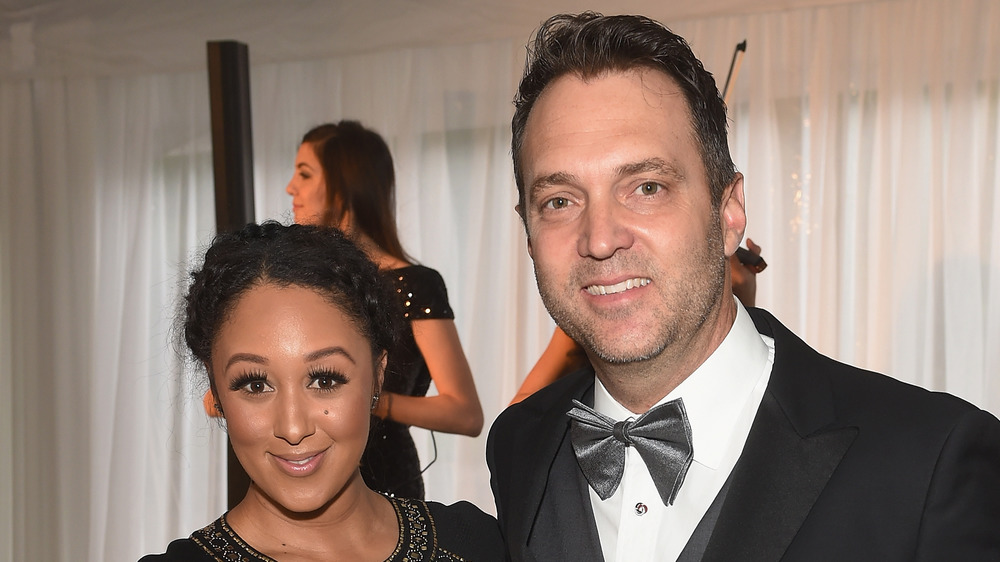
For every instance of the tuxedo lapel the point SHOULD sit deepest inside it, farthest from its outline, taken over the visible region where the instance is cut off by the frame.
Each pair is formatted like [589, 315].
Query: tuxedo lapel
[793, 448]
[774, 485]
[559, 522]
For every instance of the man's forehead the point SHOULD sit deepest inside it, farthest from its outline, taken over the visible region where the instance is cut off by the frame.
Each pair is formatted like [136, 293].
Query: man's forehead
[652, 80]
[573, 107]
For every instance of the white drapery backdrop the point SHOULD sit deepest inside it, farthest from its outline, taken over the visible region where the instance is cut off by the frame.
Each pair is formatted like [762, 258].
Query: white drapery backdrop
[868, 135]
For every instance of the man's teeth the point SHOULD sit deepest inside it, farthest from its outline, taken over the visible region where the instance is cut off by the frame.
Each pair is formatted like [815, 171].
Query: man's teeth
[618, 287]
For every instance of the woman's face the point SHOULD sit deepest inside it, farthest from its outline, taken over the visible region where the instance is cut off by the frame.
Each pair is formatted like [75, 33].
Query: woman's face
[307, 187]
[295, 379]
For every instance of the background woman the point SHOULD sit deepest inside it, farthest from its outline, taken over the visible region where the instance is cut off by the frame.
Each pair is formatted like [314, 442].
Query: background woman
[344, 177]
[293, 325]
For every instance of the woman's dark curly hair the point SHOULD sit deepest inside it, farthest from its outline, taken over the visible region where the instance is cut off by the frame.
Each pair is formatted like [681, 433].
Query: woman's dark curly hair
[312, 257]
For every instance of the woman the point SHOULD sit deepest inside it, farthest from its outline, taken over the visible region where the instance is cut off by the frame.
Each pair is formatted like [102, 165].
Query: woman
[293, 325]
[344, 178]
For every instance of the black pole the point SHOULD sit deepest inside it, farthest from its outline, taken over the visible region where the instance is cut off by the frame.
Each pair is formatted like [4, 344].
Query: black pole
[232, 163]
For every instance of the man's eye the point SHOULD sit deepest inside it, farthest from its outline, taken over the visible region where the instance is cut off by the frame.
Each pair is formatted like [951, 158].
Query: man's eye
[556, 203]
[648, 188]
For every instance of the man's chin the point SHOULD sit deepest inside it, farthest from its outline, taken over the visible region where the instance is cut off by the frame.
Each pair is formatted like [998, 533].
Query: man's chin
[618, 349]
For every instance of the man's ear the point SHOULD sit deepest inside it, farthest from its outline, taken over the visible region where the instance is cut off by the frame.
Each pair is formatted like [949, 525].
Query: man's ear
[524, 221]
[733, 215]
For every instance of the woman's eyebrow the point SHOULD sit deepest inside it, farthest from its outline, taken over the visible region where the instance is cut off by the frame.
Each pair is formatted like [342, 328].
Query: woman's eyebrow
[328, 351]
[248, 357]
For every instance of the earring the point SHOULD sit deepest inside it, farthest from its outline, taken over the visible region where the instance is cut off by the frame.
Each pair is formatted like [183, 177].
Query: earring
[374, 400]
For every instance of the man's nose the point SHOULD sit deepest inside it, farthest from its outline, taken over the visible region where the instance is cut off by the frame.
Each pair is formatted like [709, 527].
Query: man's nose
[604, 230]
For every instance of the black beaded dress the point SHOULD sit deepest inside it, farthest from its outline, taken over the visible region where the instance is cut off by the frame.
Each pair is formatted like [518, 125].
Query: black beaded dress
[427, 531]
[390, 463]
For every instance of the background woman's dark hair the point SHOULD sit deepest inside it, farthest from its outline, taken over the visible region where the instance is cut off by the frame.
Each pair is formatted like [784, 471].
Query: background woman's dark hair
[590, 45]
[360, 178]
[313, 257]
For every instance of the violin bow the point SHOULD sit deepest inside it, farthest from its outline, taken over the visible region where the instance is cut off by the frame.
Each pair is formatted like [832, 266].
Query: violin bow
[751, 260]
[734, 69]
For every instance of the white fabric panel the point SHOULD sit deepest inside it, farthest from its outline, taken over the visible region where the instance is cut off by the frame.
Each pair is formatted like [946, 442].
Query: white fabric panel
[868, 134]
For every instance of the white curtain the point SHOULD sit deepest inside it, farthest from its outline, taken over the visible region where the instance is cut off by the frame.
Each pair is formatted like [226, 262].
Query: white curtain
[868, 134]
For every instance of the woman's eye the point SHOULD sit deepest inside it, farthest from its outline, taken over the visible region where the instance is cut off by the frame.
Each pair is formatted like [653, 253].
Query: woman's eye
[251, 384]
[323, 383]
[557, 203]
[326, 381]
[256, 387]
[649, 188]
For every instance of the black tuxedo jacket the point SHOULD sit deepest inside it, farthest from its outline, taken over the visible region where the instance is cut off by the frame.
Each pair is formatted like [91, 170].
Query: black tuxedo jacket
[840, 464]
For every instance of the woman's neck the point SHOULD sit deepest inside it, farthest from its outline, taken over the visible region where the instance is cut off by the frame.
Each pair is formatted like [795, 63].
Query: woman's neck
[358, 524]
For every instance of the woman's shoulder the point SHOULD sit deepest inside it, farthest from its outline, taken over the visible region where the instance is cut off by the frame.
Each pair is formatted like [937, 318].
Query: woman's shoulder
[465, 532]
[216, 541]
[415, 273]
[424, 292]
[179, 550]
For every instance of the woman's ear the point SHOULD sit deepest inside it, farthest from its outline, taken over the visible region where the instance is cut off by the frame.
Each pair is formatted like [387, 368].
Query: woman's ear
[380, 365]
[211, 400]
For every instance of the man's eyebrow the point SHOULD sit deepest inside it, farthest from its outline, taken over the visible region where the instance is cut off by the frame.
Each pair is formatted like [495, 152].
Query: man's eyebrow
[557, 178]
[655, 165]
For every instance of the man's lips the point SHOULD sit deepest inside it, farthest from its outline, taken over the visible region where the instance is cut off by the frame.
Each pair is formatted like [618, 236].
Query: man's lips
[619, 287]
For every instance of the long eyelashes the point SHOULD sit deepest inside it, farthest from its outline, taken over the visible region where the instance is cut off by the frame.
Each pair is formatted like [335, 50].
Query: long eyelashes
[326, 379]
[255, 382]
[252, 382]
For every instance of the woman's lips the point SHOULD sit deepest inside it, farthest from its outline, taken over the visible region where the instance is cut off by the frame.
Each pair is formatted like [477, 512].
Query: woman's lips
[298, 465]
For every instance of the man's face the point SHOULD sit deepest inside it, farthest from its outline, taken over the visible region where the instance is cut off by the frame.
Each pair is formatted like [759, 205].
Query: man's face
[629, 252]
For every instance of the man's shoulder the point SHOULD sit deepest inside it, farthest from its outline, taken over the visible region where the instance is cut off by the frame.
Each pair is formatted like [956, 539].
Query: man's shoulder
[557, 395]
[857, 394]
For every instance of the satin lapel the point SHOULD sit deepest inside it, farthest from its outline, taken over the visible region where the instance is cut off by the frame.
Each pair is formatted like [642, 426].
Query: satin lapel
[793, 448]
[547, 458]
[564, 527]
[775, 484]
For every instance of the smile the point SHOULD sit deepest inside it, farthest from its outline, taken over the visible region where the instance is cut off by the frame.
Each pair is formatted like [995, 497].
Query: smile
[300, 466]
[618, 287]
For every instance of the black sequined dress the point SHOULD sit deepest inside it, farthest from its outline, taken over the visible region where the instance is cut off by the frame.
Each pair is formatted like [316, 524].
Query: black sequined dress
[390, 463]
[428, 531]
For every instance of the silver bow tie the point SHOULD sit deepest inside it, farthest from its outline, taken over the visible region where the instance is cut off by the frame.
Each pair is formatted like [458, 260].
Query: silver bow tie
[661, 436]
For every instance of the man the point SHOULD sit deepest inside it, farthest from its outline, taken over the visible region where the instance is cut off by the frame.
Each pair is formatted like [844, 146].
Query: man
[631, 205]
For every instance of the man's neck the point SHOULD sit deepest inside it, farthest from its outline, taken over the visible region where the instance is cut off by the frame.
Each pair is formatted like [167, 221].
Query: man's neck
[639, 385]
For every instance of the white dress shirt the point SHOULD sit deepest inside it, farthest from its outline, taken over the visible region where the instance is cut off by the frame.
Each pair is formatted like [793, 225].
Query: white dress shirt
[721, 398]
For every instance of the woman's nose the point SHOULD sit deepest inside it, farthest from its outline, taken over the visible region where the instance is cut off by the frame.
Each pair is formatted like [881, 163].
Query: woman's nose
[293, 423]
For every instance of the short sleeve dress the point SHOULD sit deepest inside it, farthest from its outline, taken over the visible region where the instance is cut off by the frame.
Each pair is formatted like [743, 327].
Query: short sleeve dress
[390, 463]
[428, 531]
